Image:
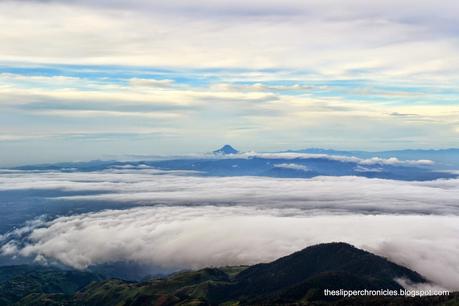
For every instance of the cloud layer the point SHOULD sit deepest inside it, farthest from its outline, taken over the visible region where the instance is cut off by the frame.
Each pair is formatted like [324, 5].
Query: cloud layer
[337, 37]
[184, 237]
[319, 194]
[182, 220]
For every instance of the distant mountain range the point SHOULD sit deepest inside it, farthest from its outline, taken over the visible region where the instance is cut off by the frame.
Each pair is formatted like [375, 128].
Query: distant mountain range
[410, 165]
[297, 279]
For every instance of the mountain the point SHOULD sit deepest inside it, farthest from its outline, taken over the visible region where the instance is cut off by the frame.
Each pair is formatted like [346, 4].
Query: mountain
[323, 266]
[297, 279]
[226, 149]
[19, 282]
[269, 166]
[316, 162]
[279, 165]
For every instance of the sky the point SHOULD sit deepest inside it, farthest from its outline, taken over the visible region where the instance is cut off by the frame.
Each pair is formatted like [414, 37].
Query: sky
[95, 79]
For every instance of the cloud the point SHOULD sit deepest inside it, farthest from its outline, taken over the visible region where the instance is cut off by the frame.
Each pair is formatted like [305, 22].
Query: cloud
[104, 113]
[275, 103]
[396, 161]
[292, 166]
[136, 82]
[316, 195]
[415, 288]
[186, 237]
[92, 136]
[183, 223]
[360, 168]
[340, 38]
[352, 159]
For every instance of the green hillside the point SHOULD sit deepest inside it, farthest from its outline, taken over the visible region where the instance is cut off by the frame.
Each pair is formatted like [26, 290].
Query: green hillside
[297, 279]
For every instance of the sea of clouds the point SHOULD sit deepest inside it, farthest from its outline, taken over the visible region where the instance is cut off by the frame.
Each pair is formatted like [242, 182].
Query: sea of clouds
[181, 220]
[323, 194]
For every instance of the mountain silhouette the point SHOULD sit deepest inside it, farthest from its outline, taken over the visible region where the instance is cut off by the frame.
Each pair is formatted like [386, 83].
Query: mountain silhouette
[226, 149]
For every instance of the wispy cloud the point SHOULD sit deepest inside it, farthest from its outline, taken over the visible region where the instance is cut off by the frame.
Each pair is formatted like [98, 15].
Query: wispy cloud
[349, 28]
[137, 82]
[298, 73]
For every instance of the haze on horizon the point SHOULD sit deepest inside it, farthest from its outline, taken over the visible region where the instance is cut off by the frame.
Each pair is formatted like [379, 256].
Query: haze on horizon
[86, 79]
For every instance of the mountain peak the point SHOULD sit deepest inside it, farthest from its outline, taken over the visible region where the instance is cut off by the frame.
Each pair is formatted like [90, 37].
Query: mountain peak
[226, 149]
[322, 261]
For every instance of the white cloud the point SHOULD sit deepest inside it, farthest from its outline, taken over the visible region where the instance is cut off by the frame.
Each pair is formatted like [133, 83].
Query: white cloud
[284, 120]
[316, 195]
[184, 237]
[395, 161]
[292, 166]
[353, 159]
[137, 82]
[338, 39]
[267, 61]
[416, 288]
[106, 113]
[360, 168]
[189, 225]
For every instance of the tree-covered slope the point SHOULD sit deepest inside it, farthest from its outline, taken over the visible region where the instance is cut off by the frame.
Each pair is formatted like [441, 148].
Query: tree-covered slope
[297, 279]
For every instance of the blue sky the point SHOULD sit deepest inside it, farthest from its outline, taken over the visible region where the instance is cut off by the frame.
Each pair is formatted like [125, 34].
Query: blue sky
[91, 79]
